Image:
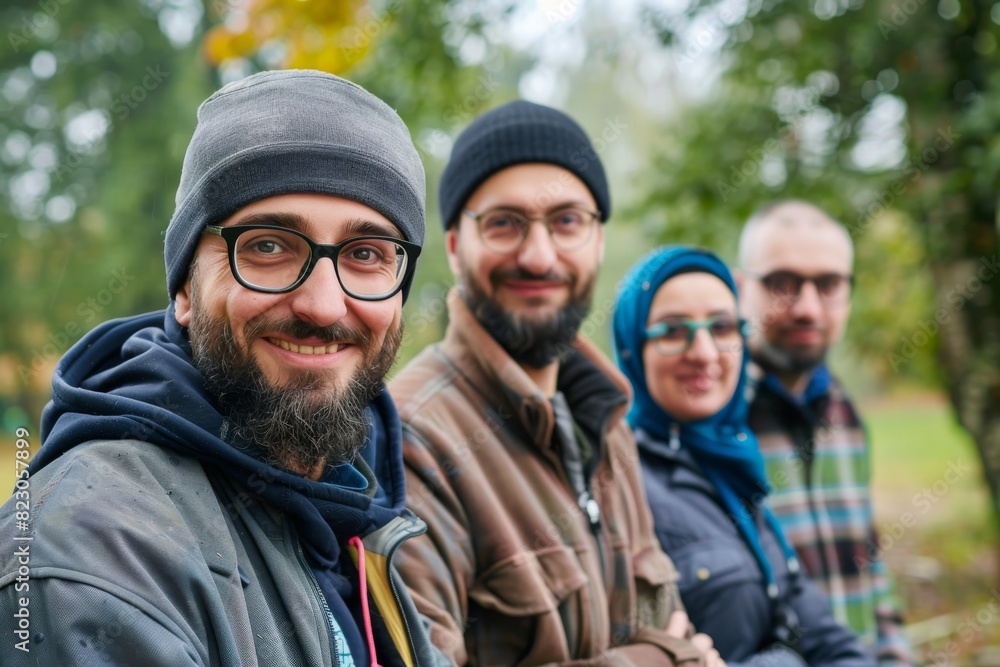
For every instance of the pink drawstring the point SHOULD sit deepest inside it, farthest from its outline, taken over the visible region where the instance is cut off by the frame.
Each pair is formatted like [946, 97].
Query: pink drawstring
[369, 635]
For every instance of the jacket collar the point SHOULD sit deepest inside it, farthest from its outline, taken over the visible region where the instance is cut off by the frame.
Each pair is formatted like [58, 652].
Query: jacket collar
[596, 392]
[678, 463]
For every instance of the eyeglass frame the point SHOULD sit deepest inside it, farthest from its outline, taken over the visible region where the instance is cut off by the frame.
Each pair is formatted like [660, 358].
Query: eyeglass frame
[317, 251]
[595, 217]
[802, 280]
[658, 329]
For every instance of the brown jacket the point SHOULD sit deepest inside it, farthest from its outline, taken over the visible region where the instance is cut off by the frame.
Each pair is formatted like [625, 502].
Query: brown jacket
[510, 572]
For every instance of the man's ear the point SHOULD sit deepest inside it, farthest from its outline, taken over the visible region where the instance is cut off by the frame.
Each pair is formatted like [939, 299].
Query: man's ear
[182, 304]
[451, 246]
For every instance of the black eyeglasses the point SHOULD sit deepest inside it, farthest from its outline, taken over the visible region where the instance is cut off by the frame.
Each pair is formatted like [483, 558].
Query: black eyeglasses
[677, 336]
[274, 260]
[503, 230]
[833, 288]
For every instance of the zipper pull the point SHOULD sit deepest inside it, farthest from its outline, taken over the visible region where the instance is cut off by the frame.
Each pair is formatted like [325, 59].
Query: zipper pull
[591, 509]
[675, 436]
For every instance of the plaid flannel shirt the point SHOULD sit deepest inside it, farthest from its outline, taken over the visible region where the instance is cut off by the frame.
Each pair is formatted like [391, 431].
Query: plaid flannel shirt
[816, 452]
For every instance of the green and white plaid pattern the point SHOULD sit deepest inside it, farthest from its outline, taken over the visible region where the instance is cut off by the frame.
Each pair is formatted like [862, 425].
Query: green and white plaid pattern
[817, 459]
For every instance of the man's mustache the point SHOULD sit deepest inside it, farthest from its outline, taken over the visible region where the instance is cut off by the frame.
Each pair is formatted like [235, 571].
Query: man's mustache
[793, 328]
[518, 273]
[297, 328]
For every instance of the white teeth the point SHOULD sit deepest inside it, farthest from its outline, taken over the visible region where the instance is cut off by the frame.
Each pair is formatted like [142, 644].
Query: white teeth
[308, 349]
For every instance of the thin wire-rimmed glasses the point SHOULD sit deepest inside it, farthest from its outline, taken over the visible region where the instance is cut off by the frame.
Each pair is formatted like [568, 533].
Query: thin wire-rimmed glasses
[676, 336]
[274, 260]
[503, 229]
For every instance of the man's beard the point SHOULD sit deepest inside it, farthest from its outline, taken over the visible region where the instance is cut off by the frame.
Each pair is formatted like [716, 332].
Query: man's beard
[778, 358]
[304, 423]
[529, 342]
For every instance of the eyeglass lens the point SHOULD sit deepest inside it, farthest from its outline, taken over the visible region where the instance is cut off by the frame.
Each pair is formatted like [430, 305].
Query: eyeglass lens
[504, 230]
[678, 336]
[788, 285]
[275, 259]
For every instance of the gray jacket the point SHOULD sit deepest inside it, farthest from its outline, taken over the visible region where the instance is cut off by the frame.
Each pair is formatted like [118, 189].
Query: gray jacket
[136, 556]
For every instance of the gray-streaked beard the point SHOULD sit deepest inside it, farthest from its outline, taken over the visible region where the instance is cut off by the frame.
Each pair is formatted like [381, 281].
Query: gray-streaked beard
[297, 426]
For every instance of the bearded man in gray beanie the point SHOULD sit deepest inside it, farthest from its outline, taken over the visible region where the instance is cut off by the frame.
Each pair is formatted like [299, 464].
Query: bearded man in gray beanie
[540, 547]
[221, 482]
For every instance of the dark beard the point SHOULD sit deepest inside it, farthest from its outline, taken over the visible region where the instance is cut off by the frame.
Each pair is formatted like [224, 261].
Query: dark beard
[529, 343]
[298, 426]
[781, 361]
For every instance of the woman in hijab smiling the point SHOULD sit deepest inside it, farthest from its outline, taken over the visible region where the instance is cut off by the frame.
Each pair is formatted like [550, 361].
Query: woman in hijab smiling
[679, 339]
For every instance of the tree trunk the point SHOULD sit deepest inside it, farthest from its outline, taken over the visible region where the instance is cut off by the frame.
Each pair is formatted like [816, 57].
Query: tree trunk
[962, 242]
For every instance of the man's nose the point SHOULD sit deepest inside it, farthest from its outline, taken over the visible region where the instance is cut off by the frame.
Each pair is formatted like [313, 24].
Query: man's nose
[537, 254]
[321, 299]
[809, 304]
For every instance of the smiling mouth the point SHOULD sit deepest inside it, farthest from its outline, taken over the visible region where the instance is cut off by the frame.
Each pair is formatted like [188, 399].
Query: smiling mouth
[307, 349]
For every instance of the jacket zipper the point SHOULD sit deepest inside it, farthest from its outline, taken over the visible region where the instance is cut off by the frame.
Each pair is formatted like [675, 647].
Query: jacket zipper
[592, 511]
[330, 627]
[590, 508]
[394, 543]
[675, 436]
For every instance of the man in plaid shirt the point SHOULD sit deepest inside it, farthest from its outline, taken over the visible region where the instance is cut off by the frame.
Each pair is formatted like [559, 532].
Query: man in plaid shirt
[795, 290]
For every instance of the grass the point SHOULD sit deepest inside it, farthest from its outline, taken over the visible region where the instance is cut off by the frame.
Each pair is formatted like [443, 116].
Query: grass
[927, 475]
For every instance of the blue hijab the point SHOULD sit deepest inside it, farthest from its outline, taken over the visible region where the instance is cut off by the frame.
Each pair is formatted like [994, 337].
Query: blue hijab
[723, 445]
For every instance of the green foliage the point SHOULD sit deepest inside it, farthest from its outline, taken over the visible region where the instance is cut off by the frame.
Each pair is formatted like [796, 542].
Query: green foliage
[83, 204]
[808, 88]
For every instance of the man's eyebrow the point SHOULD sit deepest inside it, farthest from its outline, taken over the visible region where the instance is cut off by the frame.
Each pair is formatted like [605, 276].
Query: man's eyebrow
[363, 227]
[571, 203]
[296, 222]
[290, 220]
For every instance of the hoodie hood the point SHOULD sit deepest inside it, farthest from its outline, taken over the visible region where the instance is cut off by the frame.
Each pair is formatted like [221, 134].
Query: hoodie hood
[134, 378]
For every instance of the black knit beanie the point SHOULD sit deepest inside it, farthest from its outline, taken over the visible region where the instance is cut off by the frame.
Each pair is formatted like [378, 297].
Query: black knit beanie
[516, 133]
[293, 131]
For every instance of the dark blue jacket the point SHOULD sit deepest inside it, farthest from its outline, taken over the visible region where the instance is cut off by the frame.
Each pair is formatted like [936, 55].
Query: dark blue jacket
[720, 582]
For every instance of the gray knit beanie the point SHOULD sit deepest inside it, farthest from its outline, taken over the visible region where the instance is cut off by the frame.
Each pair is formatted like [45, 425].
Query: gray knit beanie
[293, 131]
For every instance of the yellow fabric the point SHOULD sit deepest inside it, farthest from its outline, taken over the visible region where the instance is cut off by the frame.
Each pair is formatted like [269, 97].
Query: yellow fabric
[377, 575]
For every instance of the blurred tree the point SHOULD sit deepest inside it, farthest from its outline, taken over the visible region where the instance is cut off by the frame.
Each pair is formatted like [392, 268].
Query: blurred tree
[887, 115]
[96, 102]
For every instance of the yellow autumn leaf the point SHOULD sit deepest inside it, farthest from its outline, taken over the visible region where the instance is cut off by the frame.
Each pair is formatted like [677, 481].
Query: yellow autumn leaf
[220, 44]
[318, 34]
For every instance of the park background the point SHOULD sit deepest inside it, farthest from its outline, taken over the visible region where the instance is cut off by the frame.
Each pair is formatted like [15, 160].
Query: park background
[885, 112]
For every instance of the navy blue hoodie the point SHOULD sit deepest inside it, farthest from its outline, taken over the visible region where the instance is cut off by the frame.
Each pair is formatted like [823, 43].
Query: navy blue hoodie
[134, 378]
